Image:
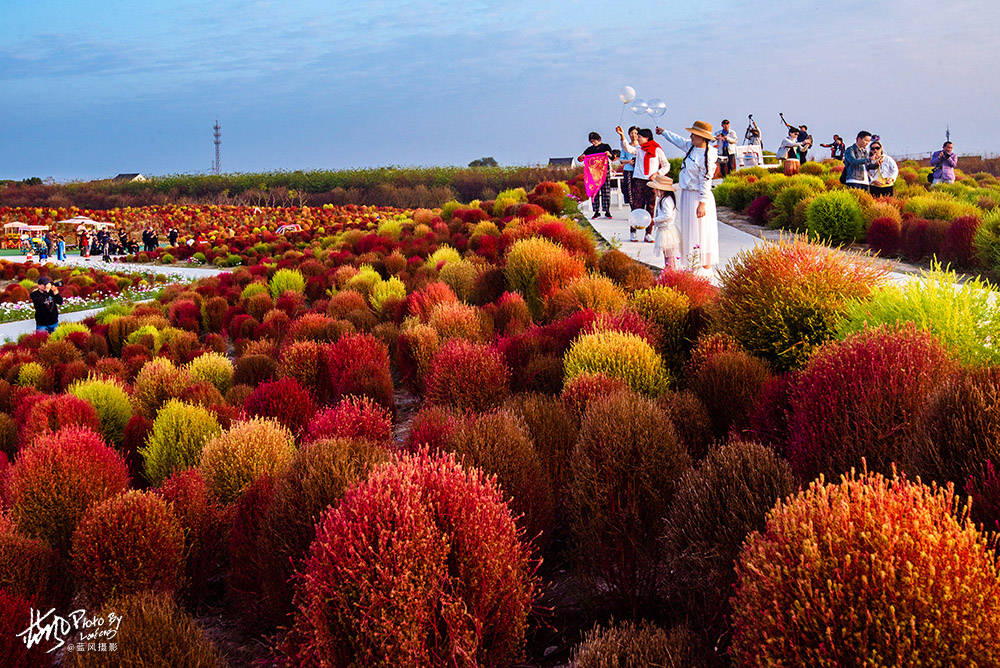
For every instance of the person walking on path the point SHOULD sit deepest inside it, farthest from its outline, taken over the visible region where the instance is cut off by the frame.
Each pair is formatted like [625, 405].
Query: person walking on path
[46, 299]
[667, 237]
[726, 146]
[944, 163]
[883, 177]
[857, 162]
[697, 220]
[649, 160]
[61, 248]
[837, 147]
[602, 198]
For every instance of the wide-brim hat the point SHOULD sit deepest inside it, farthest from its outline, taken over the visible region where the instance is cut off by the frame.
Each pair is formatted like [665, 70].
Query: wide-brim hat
[659, 182]
[702, 129]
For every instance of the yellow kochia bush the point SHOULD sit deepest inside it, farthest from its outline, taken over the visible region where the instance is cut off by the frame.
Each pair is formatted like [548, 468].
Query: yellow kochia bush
[231, 461]
[537, 267]
[618, 355]
[214, 368]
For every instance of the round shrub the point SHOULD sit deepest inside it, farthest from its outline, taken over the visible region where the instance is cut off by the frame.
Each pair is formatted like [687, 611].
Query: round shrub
[781, 301]
[883, 579]
[624, 470]
[577, 393]
[152, 625]
[729, 384]
[254, 369]
[28, 567]
[455, 320]
[8, 435]
[14, 610]
[958, 246]
[498, 443]
[56, 412]
[214, 368]
[698, 289]
[553, 429]
[56, 479]
[204, 525]
[156, 383]
[617, 355]
[316, 478]
[861, 398]
[537, 267]
[178, 435]
[885, 236]
[642, 644]
[667, 310]
[30, 374]
[986, 241]
[302, 360]
[352, 417]
[127, 544]
[468, 376]
[715, 508]
[284, 280]
[435, 544]
[283, 400]
[624, 271]
[231, 461]
[110, 400]
[692, 423]
[431, 427]
[835, 216]
[358, 364]
[595, 292]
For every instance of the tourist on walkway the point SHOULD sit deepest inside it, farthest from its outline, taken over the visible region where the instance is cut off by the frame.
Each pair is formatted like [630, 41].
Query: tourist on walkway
[61, 248]
[857, 162]
[602, 198]
[667, 238]
[699, 227]
[46, 300]
[837, 147]
[85, 245]
[883, 177]
[649, 160]
[726, 146]
[628, 165]
[944, 163]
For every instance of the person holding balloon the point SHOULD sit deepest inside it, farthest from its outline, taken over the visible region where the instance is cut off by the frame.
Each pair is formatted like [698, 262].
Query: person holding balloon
[696, 215]
[649, 160]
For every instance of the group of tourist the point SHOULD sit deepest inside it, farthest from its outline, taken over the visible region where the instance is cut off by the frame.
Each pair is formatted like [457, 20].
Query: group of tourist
[683, 223]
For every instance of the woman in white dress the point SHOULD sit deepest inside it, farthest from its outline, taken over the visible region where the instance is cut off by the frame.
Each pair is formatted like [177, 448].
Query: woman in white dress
[668, 238]
[696, 216]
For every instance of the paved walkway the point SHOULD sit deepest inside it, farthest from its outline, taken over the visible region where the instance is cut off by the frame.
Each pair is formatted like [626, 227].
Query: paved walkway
[9, 331]
[178, 271]
[732, 241]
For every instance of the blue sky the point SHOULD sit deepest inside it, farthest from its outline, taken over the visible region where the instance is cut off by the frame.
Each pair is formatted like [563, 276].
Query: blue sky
[90, 89]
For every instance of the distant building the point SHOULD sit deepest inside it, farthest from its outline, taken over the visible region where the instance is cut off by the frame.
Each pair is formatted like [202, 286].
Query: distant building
[560, 162]
[130, 177]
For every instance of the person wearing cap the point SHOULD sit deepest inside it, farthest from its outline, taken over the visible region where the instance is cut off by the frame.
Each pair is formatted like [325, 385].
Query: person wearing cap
[837, 147]
[699, 227]
[667, 237]
[46, 299]
[726, 146]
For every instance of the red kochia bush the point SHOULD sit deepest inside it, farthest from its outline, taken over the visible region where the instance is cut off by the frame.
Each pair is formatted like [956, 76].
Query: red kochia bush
[53, 413]
[957, 246]
[885, 236]
[889, 574]
[698, 289]
[284, 400]
[579, 392]
[468, 376]
[421, 564]
[127, 544]
[358, 364]
[352, 417]
[57, 478]
[28, 567]
[431, 428]
[14, 614]
[861, 398]
[730, 384]
[758, 210]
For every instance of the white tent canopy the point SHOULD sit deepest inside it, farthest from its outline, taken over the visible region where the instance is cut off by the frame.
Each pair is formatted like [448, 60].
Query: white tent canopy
[83, 220]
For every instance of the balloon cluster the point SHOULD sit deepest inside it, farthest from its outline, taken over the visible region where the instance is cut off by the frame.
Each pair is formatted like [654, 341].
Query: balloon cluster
[654, 107]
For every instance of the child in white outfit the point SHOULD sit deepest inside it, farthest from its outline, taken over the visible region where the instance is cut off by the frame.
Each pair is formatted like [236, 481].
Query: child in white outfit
[667, 236]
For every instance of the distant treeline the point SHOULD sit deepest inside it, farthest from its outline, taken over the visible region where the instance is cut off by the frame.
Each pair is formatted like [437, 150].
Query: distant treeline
[401, 187]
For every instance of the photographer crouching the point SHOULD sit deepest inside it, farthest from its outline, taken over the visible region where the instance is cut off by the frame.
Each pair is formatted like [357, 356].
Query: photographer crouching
[46, 299]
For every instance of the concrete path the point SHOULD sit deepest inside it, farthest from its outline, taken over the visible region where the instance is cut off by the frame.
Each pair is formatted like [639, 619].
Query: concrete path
[177, 271]
[732, 241]
[9, 331]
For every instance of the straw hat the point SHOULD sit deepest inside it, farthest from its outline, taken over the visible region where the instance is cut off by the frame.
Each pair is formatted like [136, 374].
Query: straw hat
[702, 129]
[659, 182]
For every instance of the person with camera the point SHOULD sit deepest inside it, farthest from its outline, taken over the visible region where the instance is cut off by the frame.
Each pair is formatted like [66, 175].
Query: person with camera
[46, 299]
[944, 163]
[725, 144]
[858, 162]
[883, 176]
[837, 147]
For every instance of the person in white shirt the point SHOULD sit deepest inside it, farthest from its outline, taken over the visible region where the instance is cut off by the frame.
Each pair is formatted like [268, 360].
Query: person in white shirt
[696, 216]
[649, 160]
[883, 172]
[667, 236]
[725, 144]
[790, 145]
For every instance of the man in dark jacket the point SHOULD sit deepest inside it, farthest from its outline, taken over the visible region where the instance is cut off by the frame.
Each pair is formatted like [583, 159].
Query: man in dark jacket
[46, 299]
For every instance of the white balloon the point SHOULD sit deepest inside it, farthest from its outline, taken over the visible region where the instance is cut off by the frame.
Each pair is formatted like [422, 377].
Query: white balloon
[639, 218]
[627, 94]
[658, 107]
[638, 106]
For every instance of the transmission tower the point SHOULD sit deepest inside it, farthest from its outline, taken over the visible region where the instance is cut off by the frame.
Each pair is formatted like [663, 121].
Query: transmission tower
[217, 132]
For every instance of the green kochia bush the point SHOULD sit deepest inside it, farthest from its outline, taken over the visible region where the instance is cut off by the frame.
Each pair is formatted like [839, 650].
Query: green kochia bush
[618, 355]
[835, 216]
[287, 279]
[109, 399]
[179, 433]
